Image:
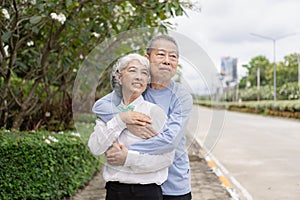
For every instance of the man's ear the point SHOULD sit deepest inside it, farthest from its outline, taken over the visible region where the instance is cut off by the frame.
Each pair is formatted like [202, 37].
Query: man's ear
[146, 55]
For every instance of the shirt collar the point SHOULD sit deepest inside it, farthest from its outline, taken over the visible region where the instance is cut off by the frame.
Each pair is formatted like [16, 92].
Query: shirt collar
[135, 103]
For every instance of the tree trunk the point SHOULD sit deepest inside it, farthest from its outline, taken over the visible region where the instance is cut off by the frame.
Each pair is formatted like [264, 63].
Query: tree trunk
[18, 120]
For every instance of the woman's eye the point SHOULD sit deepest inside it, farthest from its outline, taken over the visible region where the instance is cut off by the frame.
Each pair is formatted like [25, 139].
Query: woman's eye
[131, 69]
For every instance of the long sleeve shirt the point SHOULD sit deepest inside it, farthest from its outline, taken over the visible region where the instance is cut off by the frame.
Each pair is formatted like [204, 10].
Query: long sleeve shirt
[177, 103]
[138, 168]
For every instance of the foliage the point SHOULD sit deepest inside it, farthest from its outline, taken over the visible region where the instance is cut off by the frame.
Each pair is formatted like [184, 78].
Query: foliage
[252, 93]
[43, 165]
[286, 88]
[44, 42]
[287, 70]
[288, 91]
[261, 63]
[288, 109]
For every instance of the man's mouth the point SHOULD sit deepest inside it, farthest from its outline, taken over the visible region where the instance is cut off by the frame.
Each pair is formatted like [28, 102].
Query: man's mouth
[165, 69]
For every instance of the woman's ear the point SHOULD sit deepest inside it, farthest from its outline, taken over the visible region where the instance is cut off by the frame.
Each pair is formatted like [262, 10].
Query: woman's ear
[118, 78]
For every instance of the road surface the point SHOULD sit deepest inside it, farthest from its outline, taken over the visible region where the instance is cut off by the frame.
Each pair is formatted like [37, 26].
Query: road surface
[261, 153]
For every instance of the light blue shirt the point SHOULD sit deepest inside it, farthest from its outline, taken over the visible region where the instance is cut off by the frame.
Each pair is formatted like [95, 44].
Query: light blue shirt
[177, 103]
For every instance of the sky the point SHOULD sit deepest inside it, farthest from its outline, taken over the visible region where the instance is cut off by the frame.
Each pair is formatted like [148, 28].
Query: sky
[224, 27]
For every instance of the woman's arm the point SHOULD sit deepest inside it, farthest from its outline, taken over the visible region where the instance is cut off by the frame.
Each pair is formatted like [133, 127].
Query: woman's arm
[105, 134]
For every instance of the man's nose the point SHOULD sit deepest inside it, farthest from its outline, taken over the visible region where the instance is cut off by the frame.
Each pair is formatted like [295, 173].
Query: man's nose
[167, 59]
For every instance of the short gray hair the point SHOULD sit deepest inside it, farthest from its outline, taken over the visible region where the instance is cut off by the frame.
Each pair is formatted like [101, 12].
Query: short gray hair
[160, 37]
[122, 64]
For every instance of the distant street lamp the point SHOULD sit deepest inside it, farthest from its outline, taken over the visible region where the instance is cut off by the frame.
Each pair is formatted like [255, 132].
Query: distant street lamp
[274, 52]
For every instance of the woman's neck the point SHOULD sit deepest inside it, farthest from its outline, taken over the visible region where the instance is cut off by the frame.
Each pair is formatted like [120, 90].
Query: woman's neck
[128, 99]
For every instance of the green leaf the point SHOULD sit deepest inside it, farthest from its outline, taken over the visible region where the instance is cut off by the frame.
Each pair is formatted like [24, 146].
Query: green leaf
[35, 19]
[6, 36]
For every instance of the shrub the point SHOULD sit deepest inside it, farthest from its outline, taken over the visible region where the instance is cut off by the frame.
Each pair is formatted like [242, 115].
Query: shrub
[43, 165]
[288, 109]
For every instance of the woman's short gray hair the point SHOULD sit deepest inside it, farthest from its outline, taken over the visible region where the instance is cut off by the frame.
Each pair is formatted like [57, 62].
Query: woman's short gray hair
[122, 64]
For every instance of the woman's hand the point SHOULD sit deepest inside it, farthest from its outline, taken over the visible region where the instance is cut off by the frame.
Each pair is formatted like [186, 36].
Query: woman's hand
[144, 132]
[133, 117]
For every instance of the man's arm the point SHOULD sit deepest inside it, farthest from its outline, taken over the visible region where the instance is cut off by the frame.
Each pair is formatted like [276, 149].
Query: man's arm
[139, 163]
[143, 163]
[106, 107]
[174, 130]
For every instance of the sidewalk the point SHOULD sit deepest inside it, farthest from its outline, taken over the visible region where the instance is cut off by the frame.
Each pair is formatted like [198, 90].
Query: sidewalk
[205, 183]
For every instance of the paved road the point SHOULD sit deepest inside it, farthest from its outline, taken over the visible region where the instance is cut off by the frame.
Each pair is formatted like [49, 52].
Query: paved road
[261, 153]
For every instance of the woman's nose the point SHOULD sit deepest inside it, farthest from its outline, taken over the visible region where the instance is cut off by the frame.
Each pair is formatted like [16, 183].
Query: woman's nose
[138, 76]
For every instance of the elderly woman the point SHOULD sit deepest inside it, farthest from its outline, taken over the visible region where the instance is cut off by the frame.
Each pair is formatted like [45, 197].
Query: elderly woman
[139, 176]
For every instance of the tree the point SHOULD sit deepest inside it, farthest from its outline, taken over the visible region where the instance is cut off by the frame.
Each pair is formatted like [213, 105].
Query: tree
[261, 63]
[43, 42]
[287, 68]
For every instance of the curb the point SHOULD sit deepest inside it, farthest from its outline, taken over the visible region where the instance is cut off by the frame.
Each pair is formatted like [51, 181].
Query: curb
[223, 179]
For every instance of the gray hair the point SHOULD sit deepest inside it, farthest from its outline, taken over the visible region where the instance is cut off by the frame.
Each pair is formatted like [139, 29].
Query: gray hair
[122, 64]
[160, 37]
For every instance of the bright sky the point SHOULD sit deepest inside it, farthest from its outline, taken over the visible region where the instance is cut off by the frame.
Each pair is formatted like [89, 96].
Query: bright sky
[223, 28]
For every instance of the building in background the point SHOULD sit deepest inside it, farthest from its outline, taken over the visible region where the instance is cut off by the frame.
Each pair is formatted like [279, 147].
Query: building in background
[229, 78]
[229, 70]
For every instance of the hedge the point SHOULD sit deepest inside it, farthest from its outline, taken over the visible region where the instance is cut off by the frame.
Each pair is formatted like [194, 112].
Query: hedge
[43, 165]
[287, 108]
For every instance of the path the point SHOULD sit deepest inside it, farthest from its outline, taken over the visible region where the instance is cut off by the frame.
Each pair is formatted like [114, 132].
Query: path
[205, 183]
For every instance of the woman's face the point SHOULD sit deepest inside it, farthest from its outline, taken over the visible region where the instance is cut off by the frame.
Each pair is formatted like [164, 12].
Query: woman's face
[134, 79]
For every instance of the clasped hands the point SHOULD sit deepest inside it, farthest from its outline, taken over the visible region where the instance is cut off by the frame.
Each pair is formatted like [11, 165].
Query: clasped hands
[138, 124]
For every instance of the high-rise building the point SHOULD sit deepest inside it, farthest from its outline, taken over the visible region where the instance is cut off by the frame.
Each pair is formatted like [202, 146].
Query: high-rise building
[229, 69]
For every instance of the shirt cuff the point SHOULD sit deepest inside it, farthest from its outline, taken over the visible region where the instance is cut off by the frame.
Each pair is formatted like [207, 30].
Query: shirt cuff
[116, 123]
[131, 158]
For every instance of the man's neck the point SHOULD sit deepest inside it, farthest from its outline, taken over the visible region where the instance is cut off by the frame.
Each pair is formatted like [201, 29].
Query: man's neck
[159, 85]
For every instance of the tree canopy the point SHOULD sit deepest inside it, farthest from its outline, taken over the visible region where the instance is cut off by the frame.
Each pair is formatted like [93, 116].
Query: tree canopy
[43, 43]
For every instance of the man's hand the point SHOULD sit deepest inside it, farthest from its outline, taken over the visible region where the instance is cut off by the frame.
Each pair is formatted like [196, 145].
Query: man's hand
[133, 117]
[117, 154]
[144, 132]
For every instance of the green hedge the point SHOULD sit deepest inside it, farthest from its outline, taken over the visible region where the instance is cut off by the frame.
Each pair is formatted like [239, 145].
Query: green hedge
[289, 109]
[43, 165]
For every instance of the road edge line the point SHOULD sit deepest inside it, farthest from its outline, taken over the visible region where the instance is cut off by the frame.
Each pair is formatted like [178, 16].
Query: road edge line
[218, 169]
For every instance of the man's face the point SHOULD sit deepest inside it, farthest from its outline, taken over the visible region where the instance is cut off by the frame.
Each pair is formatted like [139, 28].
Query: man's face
[163, 60]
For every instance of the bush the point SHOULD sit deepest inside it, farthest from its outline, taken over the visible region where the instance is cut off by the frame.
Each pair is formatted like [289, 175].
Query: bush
[288, 109]
[288, 91]
[43, 165]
